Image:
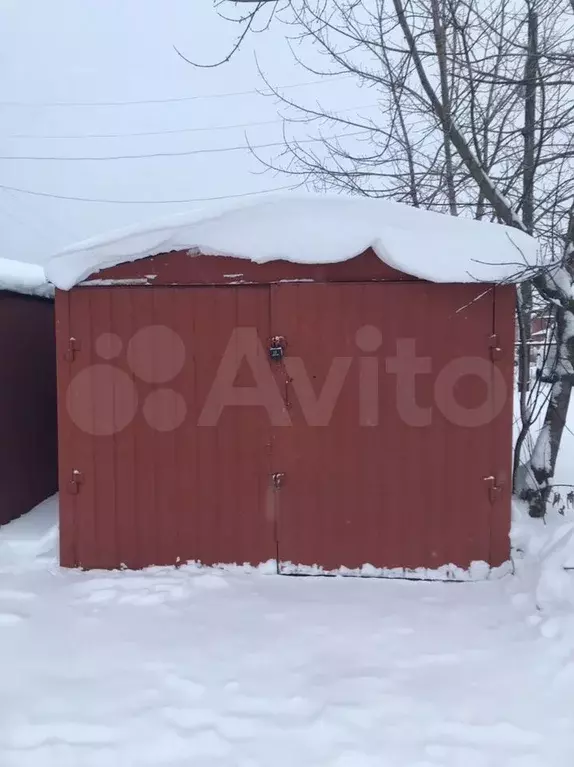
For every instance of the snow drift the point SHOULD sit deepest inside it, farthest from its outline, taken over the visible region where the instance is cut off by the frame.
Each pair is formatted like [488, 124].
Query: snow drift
[317, 229]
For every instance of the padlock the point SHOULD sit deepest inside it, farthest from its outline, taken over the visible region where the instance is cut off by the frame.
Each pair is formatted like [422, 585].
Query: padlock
[277, 348]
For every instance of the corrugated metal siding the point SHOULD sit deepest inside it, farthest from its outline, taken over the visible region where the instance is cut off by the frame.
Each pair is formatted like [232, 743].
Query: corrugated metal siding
[501, 434]
[459, 324]
[181, 268]
[67, 438]
[28, 445]
[392, 495]
[152, 496]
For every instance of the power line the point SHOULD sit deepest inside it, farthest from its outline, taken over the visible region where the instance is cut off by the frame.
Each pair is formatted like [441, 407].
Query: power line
[35, 193]
[174, 130]
[25, 225]
[217, 150]
[166, 101]
[145, 133]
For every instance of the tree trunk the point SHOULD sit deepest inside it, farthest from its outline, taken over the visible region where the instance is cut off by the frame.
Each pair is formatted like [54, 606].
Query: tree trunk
[538, 473]
[528, 176]
[536, 487]
[440, 43]
[525, 291]
[525, 409]
[545, 453]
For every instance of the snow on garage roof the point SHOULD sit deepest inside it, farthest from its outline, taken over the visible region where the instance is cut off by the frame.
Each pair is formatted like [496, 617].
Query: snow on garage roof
[22, 277]
[317, 229]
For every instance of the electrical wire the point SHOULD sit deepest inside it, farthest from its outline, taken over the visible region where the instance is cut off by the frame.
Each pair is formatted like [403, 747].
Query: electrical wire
[169, 100]
[142, 133]
[23, 226]
[174, 130]
[55, 196]
[215, 150]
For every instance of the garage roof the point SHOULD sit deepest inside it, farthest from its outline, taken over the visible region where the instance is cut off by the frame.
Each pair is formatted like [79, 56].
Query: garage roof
[22, 277]
[317, 229]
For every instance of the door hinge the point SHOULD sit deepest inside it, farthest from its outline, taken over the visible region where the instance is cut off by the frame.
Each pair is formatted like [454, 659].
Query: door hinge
[73, 347]
[75, 482]
[495, 350]
[495, 487]
[277, 479]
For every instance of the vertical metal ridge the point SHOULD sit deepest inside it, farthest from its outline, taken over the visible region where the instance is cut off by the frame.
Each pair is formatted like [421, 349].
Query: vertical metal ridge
[67, 511]
[504, 300]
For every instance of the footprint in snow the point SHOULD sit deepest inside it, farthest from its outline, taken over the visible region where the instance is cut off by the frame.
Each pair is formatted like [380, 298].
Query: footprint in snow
[211, 582]
[145, 599]
[189, 688]
[501, 734]
[13, 595]
[355, 758]
[132, 591]
[404, 630]
[188, 718]
[96, 584]
[99, 597]
[32, 736]
[429, 659]
[11, 619]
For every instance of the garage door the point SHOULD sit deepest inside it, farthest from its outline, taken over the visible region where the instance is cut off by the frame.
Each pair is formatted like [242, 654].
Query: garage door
[322, 426]
[380, 467]
[144, 479]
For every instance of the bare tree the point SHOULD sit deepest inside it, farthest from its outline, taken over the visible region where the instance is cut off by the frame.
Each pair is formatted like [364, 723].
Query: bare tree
[477, 117]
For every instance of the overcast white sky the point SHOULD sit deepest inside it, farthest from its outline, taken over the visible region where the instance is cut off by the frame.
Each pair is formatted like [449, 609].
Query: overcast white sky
[85, 51]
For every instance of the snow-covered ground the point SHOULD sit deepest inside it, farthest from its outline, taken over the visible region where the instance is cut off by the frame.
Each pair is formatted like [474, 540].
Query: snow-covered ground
[32, 536]
[173, 668]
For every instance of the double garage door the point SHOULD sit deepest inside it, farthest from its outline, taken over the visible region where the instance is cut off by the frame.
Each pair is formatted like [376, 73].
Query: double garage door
[312, 425]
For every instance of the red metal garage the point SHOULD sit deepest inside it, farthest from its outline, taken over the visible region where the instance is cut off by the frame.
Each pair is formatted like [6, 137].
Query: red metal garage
[28, 447]
[336, 415]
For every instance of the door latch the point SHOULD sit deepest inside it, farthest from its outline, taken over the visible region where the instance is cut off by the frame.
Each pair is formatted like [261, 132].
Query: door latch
[495, 350]
[495, 487]
[75, 482]
[278, 479]
[73, 347]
